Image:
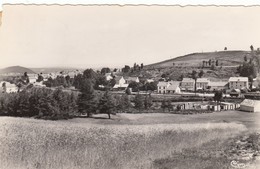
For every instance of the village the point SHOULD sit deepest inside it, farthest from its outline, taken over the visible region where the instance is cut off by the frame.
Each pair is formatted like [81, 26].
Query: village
[234, 88]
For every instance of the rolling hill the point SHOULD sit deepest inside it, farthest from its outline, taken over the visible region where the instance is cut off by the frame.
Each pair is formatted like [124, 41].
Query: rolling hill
[16, 70]
[53, 69]
[184, 65]
[225, 58]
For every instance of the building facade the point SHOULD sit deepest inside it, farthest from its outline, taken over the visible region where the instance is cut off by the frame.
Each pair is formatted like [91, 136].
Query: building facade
[202, 83]
[238, 83]
[188, 84]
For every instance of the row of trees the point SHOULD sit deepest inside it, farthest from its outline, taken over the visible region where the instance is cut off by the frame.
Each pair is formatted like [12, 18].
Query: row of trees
[40, 102]
[210, 63]
[136, 67]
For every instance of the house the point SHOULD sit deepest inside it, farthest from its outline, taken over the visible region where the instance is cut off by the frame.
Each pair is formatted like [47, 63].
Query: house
[162, 86]
[174, 87]
[250, 105]
[108, 76]
[202, 83]
[149, 80]
[7, 87]
[32, 78]
[187, 84]
[168, 87]
[213, 86]
[132, 79]
[120, 83]
[238, 83]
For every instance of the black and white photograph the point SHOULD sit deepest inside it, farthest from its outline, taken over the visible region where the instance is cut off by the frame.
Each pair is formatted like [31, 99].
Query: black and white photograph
[129, 86]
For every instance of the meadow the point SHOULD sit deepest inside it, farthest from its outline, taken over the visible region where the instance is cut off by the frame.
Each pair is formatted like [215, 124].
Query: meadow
[30, 143]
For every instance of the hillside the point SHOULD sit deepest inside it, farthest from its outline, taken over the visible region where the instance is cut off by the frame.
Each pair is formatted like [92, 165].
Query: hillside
[225, 58]
[16, 69]
[184, 65]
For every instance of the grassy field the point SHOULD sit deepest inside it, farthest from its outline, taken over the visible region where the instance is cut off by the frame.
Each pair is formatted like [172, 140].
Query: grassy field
[123, 142]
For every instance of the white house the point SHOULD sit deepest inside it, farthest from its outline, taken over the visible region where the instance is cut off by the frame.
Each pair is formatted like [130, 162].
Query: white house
[168, 87]
[238, 83]
[174, 87]
[120, 82]
[108, 76]
[202, 83]
[162, 86]
[32, 78]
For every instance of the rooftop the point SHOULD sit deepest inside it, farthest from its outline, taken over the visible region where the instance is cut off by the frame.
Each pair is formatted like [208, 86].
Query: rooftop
[238, 79]
[218, 83]
[164, 84]
[173, 85]
[188, 80]
[203, 80]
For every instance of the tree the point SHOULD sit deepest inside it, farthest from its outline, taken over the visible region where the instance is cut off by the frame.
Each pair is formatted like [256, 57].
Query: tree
[164, 105]
[134, 85]
[139, 101]
[112, 82]
[105, 70]
[203, 63]
[128, 92]
[212, 67]
[142, 65]
[106, 104]
[40, 78]
[101, 80]
[245, 58]
[126, 69]
[4, 86]
[251, 80]
[25, 78]
[148, 101]
[124, 102]
[217, 63]
[150, 86]
[252, 48]
[194, 76]
[225, 48]
[87, 102]
[201, 73]
[247, 70]
[181, 77]
[163, 75]
[209, 62]
[90, 74]
[169, 105]
[218, 96]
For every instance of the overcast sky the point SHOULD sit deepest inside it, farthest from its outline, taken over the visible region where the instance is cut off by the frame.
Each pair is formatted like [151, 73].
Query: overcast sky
[96, 36]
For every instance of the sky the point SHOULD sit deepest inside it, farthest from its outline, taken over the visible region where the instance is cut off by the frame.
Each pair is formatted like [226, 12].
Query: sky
[98, 36]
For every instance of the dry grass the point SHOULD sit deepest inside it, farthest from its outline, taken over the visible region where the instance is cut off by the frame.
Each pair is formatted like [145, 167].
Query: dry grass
[29, 143]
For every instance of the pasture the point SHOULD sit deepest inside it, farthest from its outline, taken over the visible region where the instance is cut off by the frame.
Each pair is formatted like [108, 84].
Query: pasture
[126, 141]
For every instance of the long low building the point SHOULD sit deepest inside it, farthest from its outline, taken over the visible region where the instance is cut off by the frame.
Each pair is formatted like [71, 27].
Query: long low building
[250, 105]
